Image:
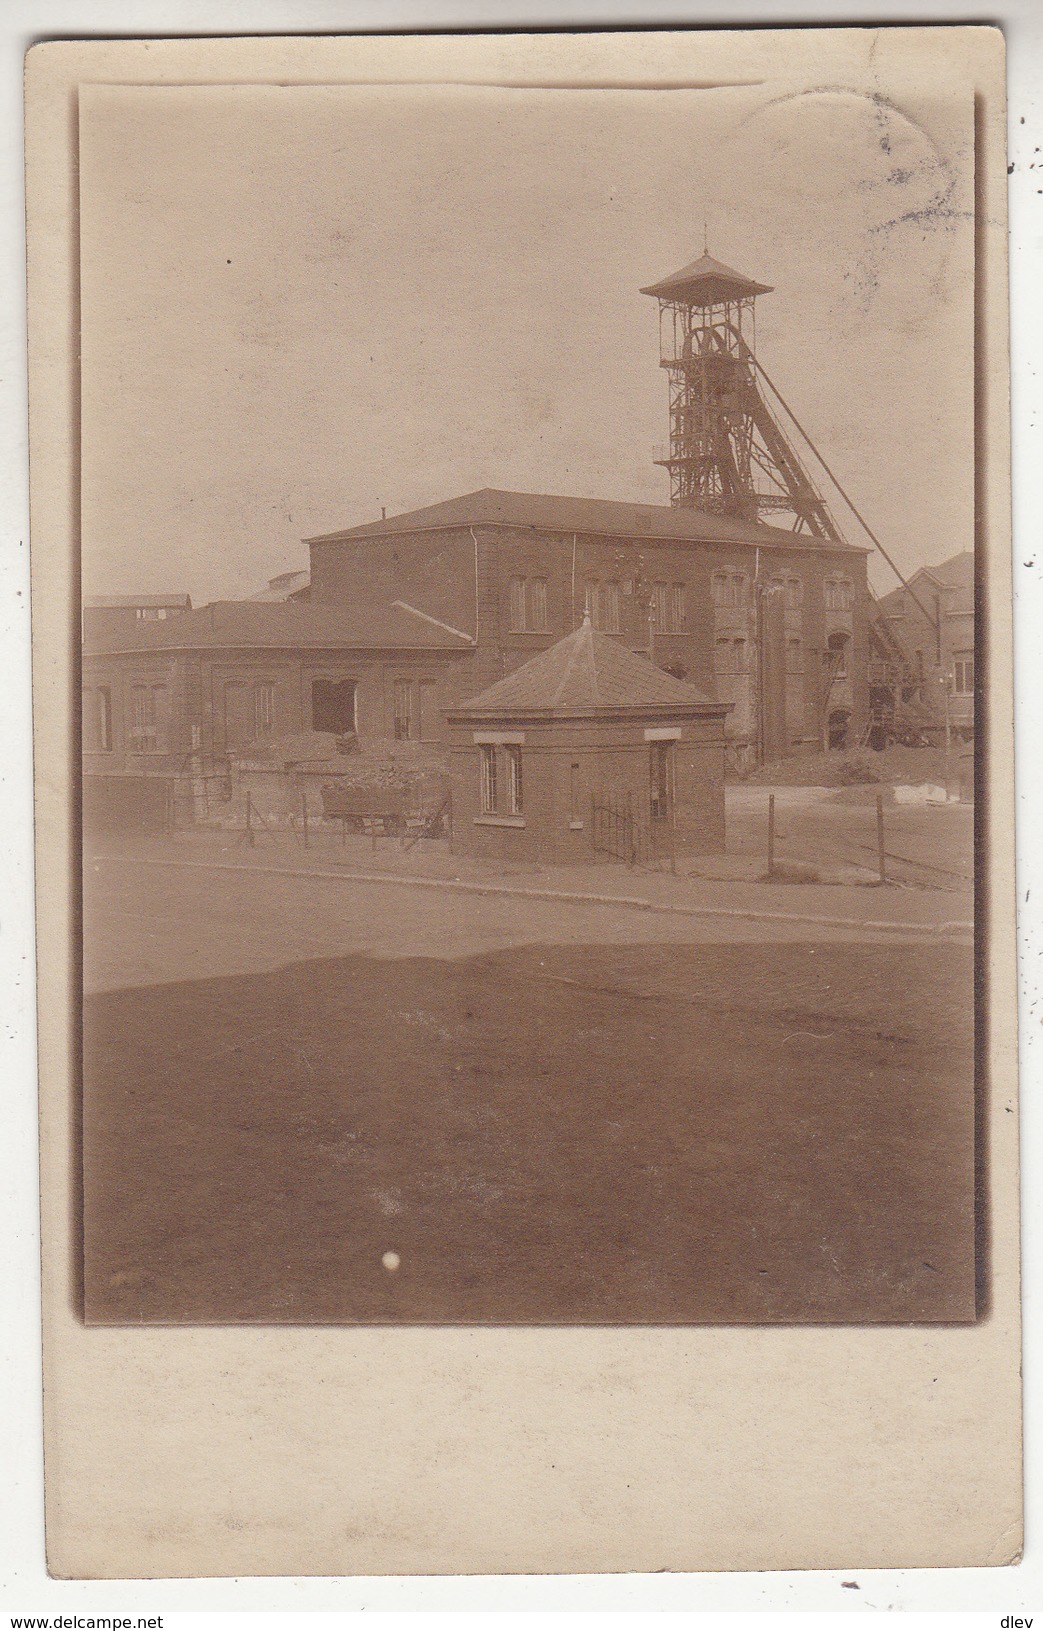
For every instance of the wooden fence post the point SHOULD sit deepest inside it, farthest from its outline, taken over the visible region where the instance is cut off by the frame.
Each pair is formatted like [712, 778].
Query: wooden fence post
[771, 835]
[880, 836]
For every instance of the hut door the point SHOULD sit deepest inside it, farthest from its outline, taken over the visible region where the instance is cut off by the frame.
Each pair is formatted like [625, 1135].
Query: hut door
[661, 768]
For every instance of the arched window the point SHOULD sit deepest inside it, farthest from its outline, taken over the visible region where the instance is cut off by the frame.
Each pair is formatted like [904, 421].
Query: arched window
[839, 593]
[729, 587]
[837, 655]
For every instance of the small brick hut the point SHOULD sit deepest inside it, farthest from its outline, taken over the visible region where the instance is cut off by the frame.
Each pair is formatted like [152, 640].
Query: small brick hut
[584, 752]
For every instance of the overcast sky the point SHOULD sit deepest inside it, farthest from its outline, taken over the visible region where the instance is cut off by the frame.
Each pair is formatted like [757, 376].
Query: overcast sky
[301, 304]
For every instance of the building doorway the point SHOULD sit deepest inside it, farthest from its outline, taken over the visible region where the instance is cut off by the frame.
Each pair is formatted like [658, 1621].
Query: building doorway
[839, 729]
[333, 707]
[661, 769]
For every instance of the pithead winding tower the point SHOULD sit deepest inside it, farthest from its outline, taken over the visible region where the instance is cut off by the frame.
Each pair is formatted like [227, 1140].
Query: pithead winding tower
[727, 452]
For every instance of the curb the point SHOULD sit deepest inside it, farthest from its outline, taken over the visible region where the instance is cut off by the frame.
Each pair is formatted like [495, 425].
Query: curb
[633, 902]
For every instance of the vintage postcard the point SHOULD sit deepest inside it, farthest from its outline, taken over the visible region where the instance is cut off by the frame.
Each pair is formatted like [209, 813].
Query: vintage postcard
[524, 522]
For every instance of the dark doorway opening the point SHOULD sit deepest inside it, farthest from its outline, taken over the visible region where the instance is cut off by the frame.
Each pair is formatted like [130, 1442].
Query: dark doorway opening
[333, 706]
[661, 767]
[677, 670]
[839, 727]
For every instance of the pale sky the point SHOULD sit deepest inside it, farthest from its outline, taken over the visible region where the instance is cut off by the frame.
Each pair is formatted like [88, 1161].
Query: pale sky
[300, 304]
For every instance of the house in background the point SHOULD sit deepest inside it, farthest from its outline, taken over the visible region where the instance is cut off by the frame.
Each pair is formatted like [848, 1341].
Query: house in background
[103, 614]
[285, 586]
[933, 618]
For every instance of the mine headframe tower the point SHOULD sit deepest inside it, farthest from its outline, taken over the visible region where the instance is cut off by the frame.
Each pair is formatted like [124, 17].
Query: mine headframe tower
[727, 453]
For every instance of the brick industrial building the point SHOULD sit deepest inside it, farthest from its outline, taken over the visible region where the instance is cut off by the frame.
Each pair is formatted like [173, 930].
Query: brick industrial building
[742, 586]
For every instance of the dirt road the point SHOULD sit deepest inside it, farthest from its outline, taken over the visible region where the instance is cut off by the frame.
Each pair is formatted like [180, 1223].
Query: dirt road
[548, 1114]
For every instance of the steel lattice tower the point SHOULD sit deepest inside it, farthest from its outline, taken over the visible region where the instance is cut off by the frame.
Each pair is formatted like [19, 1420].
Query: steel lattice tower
[727, 452]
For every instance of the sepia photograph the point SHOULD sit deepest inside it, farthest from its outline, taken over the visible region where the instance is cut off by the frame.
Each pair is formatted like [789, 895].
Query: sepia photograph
[521, 598]
[528, 571]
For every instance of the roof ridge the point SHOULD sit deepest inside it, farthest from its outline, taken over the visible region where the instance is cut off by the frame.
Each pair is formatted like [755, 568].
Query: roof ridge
[572, 660]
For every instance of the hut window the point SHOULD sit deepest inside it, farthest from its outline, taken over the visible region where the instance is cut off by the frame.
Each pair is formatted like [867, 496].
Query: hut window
[404, 722]
[489, 789]
[514, 780]
[264, 707]
[963, 673]
[105, 719]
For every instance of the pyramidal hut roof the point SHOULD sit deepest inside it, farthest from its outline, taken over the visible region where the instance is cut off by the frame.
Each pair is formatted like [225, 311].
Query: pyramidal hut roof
[706, 282]
[587, 672]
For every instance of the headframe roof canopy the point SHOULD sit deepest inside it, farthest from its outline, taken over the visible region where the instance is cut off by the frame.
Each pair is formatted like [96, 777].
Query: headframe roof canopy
[706, 282]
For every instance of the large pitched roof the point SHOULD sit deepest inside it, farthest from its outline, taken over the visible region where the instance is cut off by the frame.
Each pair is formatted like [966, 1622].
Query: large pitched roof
[706, 282]
[260, 625]
[583, 673]
[605, 517]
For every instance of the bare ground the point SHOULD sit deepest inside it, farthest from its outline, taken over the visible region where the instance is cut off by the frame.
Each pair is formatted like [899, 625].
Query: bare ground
[549, 1114]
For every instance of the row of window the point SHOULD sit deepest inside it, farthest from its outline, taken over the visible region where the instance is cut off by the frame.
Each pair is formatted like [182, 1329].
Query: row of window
[602, 601]
[731, 588]
[732, 655]
[249, 711]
